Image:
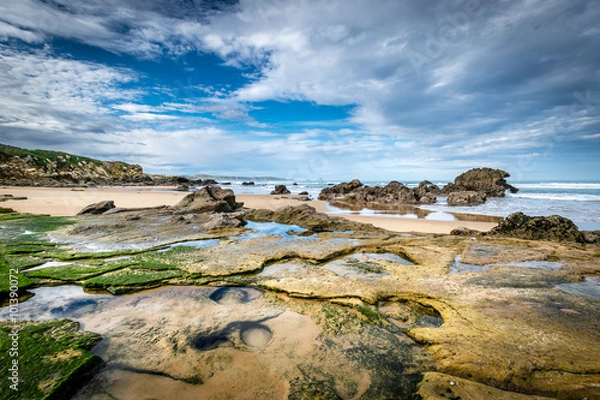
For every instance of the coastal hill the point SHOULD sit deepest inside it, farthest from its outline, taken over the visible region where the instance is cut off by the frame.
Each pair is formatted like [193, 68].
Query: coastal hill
[53, 168]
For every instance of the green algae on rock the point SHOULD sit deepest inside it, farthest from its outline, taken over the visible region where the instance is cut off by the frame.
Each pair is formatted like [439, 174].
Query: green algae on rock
[53, 359]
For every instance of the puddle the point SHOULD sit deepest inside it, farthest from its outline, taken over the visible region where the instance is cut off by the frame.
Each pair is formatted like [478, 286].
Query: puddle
[206, 342]
[387, 257]
[197, 244]
[531, 265]
[409, 315]
[458, 266]
[590, 288]
[50, 264]
[235, 295]
[364, 265]
[260, 229]
[57, 302]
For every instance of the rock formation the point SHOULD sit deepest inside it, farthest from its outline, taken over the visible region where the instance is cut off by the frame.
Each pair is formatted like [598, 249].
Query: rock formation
[208, 199]
[280, 189]
[487, 180]
[553, 228]
[355, 195]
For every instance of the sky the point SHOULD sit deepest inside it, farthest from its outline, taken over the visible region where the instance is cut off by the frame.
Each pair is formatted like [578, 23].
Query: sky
[308, 89]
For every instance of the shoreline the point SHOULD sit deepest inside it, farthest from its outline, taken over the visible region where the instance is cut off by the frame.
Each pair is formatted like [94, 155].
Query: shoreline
[69, 201]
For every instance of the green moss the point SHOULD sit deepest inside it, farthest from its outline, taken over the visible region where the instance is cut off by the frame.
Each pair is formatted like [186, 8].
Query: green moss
[7, 273]
[373, 316]
[23, 261]
[53, 359]
[131, 277]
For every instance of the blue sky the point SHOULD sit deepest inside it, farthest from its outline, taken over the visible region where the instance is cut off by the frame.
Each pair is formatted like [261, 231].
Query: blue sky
[308, 90]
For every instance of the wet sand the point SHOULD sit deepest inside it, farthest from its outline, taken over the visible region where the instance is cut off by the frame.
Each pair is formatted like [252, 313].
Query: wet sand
[68, 201]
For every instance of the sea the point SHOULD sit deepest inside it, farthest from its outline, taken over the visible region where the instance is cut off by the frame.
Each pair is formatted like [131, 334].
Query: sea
[578, 201]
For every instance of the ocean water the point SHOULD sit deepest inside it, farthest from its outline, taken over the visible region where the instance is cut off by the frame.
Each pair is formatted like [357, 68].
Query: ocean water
[578, 201]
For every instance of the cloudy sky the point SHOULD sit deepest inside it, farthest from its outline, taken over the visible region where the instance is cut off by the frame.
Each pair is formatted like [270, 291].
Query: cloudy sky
[308, 89]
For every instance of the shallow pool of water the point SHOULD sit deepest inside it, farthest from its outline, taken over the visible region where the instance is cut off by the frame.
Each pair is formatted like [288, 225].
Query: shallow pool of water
[590, 288]
[273, 228]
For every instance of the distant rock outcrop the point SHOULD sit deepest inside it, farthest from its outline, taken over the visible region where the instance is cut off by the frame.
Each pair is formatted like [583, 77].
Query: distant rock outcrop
[487, 180]
[553, 227]
[355, 195]
[208, 199]
[280, 189]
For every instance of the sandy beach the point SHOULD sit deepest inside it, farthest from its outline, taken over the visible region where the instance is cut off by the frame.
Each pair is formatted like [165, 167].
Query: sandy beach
[68, 201]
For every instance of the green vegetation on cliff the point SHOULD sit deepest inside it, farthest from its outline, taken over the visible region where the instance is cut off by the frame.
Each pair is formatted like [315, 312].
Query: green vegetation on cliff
[41, 157]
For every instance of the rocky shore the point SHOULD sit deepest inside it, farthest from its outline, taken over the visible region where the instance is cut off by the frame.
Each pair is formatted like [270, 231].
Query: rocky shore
[338, 309]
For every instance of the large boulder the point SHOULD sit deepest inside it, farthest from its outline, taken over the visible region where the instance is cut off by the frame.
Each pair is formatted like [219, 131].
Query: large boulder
[207, 200]
[98, 208]
[280, 189]
[466, 198]
[554, 228]
[490, 181]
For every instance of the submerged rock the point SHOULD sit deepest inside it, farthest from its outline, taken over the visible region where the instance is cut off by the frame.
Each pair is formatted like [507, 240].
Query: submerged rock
[554, 228]
[487, 180]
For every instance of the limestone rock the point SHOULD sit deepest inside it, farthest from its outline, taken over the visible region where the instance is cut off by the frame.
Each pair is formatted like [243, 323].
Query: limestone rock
[280, 189]
[206, 200]
[183, 188]
[487, 180]
[554, 228]
[98, 208]
[466, 198]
